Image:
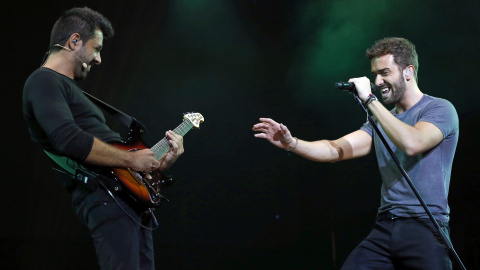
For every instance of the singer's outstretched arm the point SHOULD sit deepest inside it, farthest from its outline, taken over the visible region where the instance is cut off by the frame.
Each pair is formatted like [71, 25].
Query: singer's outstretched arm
[353, 145]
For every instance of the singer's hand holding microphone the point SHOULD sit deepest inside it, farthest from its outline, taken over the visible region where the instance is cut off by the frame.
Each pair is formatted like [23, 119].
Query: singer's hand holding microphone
[361, 85]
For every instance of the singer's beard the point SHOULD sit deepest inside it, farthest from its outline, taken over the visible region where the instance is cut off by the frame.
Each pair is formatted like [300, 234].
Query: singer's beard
[398, 88]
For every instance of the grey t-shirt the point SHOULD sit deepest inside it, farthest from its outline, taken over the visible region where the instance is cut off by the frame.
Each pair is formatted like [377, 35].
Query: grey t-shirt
[429, 171]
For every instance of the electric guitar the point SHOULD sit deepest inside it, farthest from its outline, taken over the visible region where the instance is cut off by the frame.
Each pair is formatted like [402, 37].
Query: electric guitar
[143, 190]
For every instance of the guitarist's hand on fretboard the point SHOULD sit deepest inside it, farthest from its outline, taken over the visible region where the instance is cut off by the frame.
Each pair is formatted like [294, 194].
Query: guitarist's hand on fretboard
[176, 150]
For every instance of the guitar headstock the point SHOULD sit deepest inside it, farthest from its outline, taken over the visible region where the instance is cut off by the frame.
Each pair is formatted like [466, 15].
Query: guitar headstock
[195, 118]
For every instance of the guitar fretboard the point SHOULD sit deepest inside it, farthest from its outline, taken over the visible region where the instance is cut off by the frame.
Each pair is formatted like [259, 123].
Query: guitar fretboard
[162, 147]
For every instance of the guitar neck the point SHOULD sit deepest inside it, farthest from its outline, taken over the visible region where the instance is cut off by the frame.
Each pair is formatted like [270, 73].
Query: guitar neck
[162, 147]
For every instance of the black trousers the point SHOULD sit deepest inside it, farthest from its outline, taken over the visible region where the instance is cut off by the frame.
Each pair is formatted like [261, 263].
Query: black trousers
[401, 243]
[120, 242]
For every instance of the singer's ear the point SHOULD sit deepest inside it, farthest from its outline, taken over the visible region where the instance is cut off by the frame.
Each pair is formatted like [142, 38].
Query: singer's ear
[409, 71]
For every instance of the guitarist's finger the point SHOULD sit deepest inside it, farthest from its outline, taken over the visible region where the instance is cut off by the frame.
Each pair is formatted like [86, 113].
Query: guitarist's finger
[170, 134]
[178, 139]
[174, 145]
[177, 148]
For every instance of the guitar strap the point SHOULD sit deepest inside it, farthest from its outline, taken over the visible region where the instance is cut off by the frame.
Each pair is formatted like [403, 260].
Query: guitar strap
[85, 176]
[73, 169]
[124, 118]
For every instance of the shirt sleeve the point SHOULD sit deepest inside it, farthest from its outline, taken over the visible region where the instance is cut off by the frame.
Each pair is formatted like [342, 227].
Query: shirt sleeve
[442, 114]
[367, 127]
[48, 100]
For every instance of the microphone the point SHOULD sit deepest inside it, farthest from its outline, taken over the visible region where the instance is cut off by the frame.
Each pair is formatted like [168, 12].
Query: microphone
[347, 86]
[84, 65]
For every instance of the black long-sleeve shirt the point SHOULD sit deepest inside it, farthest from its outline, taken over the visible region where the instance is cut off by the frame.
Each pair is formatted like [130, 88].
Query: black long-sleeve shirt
[60, 117]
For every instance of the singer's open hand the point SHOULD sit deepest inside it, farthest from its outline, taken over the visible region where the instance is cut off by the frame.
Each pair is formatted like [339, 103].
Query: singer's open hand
[276, 133]
[363, 87]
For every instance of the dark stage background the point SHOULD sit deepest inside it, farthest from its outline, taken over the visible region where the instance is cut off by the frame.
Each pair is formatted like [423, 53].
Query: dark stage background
[238, 202]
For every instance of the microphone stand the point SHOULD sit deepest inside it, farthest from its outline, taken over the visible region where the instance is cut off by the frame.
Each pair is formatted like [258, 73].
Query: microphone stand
[409, 181]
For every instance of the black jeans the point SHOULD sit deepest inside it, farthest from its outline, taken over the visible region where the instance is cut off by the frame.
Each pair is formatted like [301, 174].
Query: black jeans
[401, 243]
[120, 242]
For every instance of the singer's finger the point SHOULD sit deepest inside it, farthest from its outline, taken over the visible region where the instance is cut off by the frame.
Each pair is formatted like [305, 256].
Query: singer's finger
[262, 126]
[283, 129]
[268, 121]
[260, 135]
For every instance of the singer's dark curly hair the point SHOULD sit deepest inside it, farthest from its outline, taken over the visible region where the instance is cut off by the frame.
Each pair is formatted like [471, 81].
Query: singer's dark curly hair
[402, 49]
[83, 21]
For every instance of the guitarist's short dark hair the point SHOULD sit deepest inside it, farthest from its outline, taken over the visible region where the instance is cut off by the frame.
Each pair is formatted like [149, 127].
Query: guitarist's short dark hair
[83, 21]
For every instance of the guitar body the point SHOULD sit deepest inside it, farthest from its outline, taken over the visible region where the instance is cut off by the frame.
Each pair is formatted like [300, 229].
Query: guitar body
[144, 190]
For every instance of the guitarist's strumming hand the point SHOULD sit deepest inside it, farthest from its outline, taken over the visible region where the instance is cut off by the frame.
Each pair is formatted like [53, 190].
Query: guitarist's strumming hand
[276, 133]
[176, 141]
[144, 160]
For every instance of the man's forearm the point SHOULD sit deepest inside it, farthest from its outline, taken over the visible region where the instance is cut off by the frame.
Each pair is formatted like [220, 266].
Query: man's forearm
[410, 139]
[104, 154]
[352, 145]
[319, 151]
